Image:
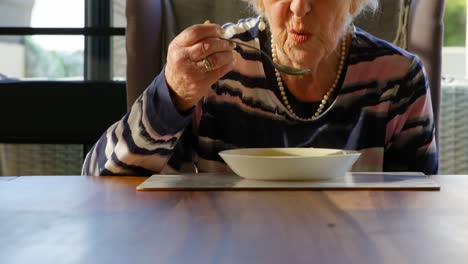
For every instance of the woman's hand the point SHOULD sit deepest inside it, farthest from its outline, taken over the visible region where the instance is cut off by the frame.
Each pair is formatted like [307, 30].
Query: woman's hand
[196, 60]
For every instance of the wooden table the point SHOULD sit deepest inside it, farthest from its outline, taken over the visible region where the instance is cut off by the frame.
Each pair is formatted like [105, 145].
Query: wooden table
[68, 219]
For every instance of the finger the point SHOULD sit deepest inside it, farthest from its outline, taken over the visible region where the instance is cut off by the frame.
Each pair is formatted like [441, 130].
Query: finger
[196, 33]
[207, 47]
[215, 75]
[216, 61]
[220, 72]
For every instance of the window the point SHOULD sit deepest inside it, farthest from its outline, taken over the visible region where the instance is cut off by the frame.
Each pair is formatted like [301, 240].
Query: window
[77, 46]
[43, 44]
[454, 39]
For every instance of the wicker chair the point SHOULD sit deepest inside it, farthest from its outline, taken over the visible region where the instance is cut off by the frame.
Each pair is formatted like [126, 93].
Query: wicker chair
[454, 120]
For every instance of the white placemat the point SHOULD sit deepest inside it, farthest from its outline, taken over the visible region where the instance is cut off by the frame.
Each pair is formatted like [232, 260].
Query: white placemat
[356, 180]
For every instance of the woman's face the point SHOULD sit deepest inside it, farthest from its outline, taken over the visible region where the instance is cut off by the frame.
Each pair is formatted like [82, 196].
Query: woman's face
[307, 29]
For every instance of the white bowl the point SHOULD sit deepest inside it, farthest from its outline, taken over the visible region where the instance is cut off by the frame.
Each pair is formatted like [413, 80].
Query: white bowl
[289, 163]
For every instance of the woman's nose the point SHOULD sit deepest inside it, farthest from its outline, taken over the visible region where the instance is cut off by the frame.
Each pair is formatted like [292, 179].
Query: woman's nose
[300, 8]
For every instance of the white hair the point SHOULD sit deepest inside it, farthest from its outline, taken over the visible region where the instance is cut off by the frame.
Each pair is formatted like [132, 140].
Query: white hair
[371, 6]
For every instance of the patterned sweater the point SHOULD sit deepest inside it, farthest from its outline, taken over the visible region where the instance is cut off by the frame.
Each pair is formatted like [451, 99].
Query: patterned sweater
[382, 107]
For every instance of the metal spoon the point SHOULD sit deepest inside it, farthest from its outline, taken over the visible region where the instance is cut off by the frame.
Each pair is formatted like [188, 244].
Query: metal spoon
[280, 67]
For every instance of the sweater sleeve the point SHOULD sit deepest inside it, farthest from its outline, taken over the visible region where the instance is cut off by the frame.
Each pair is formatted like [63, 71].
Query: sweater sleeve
[142, 142]
[411, 141]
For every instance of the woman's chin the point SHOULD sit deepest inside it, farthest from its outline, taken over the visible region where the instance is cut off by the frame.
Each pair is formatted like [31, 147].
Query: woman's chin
[304, 56]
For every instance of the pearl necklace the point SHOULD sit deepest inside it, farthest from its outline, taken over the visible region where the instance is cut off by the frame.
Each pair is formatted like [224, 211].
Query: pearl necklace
[325, 98]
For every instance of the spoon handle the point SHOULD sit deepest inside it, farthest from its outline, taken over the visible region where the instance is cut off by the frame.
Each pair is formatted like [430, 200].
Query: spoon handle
[280, 67]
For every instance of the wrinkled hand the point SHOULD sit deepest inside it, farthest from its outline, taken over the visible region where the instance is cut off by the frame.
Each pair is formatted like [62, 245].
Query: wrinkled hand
[188, 75]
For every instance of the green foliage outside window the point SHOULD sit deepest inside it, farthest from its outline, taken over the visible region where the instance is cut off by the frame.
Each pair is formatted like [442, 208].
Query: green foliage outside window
[52, 64]
[454, 22]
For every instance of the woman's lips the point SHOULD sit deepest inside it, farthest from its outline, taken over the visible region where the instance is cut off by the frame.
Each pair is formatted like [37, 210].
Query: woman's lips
[299, 37]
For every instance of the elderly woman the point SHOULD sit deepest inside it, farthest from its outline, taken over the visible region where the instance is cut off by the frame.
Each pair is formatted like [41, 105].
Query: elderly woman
[362, 93]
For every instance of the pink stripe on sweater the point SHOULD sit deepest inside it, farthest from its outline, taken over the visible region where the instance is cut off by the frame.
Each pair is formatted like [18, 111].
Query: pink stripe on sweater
[379, 108]
[249, 68]
[351, 96]
[219, 99]
[390, 67]
[420, 108]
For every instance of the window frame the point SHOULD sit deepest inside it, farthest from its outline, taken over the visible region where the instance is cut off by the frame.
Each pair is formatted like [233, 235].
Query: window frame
[92, 93]
[97, 33]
